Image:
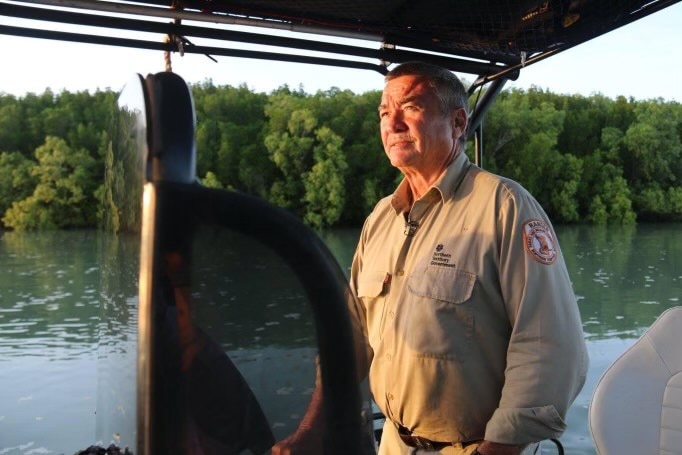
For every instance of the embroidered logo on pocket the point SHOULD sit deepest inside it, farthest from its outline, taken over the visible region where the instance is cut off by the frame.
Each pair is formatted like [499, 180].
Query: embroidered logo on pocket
[441, 257]
[538, 239]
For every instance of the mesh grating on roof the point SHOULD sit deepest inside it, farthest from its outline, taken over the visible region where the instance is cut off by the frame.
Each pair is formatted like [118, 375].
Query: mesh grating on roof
[488, 28]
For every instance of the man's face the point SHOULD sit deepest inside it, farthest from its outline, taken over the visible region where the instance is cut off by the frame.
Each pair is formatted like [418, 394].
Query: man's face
[417, 137]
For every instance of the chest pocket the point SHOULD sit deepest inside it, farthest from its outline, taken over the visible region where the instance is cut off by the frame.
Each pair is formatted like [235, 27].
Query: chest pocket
[445, 284]
[371, 283]
[440, 323]
[371, 294]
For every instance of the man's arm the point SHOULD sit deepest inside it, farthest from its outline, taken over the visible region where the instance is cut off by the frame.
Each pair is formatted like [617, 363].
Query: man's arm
[307, 439]
[546, 356]
[494, 448]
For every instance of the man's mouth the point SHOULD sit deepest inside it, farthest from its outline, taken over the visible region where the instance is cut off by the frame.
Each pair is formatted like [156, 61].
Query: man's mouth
[400, 142]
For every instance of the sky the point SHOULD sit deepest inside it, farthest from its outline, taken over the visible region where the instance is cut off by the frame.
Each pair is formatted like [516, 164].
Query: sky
[642, 60]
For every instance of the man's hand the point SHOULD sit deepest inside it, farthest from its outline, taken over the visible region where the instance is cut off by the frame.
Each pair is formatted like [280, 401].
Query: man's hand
[307, 439]
[302, 442]
[494, 448]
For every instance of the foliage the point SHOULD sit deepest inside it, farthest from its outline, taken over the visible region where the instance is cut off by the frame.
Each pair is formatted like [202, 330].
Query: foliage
[324, 147]
[589, 159]
[16, 180]
[64, 194]
[210, 180]
[65, 161]
[229, 136]
[324, 185]
[524, 138]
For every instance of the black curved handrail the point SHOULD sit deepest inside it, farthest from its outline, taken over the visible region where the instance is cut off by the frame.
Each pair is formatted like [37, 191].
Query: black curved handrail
[320, 276]
[180, 206]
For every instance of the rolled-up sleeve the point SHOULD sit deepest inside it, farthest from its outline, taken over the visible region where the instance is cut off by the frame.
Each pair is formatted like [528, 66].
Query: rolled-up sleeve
[547, 357]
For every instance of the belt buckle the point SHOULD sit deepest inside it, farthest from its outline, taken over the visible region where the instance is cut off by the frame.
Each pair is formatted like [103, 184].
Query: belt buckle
[423, 443]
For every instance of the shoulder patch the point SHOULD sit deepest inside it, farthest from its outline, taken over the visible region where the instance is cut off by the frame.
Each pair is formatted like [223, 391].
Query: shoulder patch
[539, 241]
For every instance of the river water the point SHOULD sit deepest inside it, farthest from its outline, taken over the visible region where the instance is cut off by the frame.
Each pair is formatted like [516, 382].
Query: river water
[68, 309]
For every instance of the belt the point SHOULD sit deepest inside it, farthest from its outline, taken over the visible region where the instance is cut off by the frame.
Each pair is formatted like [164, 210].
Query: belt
[425, 444]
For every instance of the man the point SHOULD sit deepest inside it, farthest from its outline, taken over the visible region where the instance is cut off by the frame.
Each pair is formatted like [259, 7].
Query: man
[472, 326]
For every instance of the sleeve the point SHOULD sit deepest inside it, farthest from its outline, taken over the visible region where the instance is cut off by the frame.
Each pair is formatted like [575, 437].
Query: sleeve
[547, 356]
[358, 315]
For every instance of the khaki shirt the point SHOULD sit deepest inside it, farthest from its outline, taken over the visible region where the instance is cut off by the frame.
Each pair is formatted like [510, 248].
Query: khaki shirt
[472, 324]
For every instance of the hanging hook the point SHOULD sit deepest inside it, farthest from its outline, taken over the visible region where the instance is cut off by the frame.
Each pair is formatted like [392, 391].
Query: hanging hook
[177, 43]
[174, 43]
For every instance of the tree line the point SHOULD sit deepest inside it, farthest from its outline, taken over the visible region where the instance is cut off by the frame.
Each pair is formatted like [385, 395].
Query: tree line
[587, 159]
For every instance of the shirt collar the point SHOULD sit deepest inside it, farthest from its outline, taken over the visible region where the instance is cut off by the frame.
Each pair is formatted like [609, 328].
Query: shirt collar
[443, 188]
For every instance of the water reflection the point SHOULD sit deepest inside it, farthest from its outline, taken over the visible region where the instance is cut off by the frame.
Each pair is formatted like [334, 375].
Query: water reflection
[117, 340]
[68, 314]
[49, 295]
[49, 314]
[245, 296]
[624, 277]
[248, 300]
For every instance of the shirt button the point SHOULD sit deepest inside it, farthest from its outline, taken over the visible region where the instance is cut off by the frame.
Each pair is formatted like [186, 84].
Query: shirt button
[400, 273]
[388, 356]
[390, 396]
[391, 314]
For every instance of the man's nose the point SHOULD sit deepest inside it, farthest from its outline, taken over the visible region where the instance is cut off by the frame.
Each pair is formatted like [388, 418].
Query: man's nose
[395, 122]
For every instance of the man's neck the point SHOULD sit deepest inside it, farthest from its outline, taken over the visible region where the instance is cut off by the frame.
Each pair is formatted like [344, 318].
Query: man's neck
[419, 182]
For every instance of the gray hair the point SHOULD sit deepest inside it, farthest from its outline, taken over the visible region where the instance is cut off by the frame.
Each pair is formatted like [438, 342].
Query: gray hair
[449, 89]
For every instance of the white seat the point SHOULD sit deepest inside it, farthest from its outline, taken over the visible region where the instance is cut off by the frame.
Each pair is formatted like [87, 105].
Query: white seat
[636, 408]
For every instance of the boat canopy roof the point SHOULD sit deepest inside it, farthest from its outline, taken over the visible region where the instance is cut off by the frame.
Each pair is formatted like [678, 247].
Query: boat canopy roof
[490, 39]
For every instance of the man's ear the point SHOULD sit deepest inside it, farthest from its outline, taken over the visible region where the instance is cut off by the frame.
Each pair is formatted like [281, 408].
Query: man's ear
[459, 119]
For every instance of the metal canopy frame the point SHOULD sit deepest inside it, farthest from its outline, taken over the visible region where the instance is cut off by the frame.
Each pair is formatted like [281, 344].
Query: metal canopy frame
[492, 40]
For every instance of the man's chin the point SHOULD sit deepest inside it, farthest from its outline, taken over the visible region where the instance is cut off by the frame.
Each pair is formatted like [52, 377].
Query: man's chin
[400, 157]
